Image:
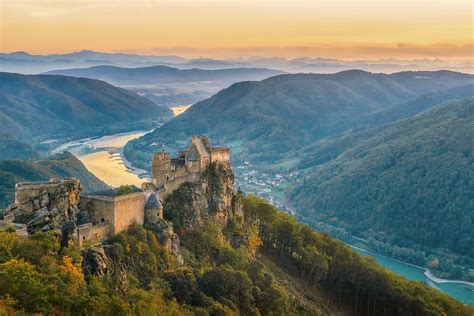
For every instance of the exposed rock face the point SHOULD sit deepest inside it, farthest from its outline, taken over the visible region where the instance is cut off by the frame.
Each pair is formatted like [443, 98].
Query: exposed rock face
[166, 236]
[210, 198]
[94, 261]
[45, 206]
[99, 261]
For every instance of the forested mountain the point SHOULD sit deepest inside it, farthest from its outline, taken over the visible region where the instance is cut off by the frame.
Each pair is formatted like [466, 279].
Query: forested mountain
[14, 149]
[259, 262]
[167, 75]
[284, 113]
[410, 183]
[48, 106]
[57, 166]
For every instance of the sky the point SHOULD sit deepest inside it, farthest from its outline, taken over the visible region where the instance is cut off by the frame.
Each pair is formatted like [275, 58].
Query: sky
[346, 29]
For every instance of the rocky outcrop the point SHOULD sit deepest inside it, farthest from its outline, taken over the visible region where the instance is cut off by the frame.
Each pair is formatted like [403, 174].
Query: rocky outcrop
[212, 197]
[100, 260]
[45, 206]
[94, 261]
[167, 237]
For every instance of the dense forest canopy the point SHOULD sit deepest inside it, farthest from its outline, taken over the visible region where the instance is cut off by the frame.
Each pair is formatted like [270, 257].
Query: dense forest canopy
[410, 181]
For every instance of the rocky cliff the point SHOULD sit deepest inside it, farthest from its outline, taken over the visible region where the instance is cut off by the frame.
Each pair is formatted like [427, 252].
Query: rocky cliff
[211, 198]
[45, 206]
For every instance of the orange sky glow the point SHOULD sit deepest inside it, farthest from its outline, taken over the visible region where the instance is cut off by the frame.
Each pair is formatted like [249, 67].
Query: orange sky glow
[347, 29]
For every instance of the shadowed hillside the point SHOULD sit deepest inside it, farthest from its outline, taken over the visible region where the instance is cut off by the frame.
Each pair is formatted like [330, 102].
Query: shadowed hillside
[42, 106]
[409, 183]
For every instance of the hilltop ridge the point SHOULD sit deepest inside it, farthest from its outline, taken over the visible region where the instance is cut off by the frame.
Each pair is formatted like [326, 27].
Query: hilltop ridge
[284, 113]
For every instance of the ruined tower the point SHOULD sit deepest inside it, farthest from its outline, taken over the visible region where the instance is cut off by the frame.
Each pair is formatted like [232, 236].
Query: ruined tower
[172, 172]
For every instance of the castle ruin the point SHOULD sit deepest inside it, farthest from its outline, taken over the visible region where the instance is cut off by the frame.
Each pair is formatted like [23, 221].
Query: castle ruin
[169, 173]
[94, 217]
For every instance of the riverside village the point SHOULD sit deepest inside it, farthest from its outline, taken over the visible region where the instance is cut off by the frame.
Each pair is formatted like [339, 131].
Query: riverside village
[91, 218]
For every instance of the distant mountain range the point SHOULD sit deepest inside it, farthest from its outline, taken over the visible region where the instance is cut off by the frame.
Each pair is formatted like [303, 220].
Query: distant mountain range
[167, 75]
[57, 166]
[411, 182]
[281, 114]
[37, 107]
[25, 63]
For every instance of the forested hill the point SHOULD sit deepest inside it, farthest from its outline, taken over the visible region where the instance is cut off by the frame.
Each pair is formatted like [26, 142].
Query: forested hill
[286, 112]
[42, 106]
[218, 252]
[410, 183]
[57, 166]
[167, 75]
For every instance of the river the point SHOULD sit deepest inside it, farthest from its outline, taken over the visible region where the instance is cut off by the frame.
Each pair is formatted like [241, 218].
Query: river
[104, 158]
[456, 290]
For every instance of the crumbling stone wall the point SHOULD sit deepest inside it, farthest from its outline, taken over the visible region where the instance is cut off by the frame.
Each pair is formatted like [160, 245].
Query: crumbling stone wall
[220, 154]
[92, 233]
[46, 205]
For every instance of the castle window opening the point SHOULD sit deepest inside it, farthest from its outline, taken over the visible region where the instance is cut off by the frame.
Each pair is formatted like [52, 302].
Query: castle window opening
[167, 177]
[102, 220]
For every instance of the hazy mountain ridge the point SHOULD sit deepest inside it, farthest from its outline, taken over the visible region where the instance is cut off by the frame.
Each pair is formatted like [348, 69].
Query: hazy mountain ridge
[23, 62]
[165, 74]
[41, 106]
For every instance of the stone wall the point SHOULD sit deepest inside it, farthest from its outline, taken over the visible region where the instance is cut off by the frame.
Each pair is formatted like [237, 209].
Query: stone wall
[118, 211]
[129, 209]
[45, 205]
[152, 215]
[165, 169]
[62, 194]
[193, 165]
[161, 165]
[221, 155]
[171, 186]
[101, 209]
[92, 233]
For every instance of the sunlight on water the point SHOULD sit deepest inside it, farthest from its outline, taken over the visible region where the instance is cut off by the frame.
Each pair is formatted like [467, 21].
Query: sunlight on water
[110, 169]
[177, 110]
[103, 157]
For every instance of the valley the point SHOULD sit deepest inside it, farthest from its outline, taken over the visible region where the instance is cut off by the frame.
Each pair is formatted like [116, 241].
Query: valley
[107, 163]
[237, 158]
